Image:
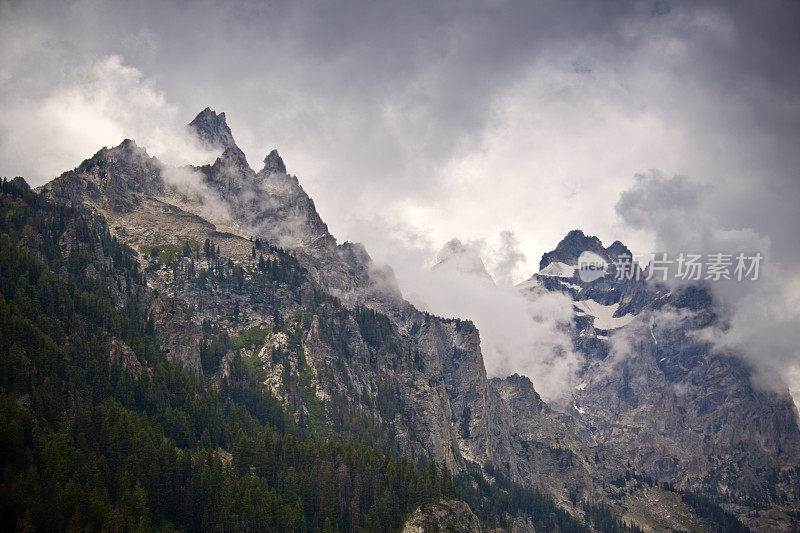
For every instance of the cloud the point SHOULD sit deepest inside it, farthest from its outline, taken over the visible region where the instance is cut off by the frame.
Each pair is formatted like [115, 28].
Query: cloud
[454, 118]
[51, 123]
[509, 260]
[761, 318]
[435, 120]
[188, 189]
[517, 334]
[676, 212]
[526, 336]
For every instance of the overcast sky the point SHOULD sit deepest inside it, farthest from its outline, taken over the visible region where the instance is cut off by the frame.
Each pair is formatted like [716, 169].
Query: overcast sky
[414, 123]
[436, 120]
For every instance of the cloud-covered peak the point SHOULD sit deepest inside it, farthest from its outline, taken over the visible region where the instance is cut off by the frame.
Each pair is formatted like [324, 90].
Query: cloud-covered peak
[459, 258]
[212, 129]
[125, 153]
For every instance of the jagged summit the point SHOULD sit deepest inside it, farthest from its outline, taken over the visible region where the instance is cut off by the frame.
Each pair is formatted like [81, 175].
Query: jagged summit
[273, 163]
[128, 144]
[111, 178]
[618, 249]
[574, 244]
[212, 129]
[455, 256]
[571, 247]
[127, 155]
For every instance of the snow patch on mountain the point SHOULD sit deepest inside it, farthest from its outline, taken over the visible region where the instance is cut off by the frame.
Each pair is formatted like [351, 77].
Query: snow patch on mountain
[530, 284]
[603, 314]
[558, 269]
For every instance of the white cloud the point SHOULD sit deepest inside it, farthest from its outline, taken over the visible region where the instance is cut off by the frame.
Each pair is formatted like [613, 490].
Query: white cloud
[760, 318]
[518, 334]
[93, 105]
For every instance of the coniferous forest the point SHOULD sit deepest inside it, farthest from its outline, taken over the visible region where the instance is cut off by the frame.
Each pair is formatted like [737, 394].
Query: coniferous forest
[90, 441]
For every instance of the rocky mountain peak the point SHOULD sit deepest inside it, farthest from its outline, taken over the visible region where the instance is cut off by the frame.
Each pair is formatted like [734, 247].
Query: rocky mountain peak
[128, 144]
[212, 129]
[571, 247]
[576, 242]
[113, 177]
[233, 156]
[273, 164]
[453, 247]
[618, 249]
[127, 157]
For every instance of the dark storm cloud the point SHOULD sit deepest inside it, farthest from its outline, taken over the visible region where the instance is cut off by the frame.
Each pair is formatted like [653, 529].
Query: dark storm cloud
[417, 122]
[387, 93]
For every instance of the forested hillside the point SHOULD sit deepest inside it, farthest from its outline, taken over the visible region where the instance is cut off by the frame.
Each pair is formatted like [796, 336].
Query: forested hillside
[99, 430]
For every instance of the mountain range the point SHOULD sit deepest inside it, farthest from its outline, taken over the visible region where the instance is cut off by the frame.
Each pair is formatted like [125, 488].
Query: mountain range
[233, 268]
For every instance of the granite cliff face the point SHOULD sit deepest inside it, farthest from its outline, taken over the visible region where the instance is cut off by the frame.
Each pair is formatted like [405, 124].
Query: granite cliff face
[230, 250]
